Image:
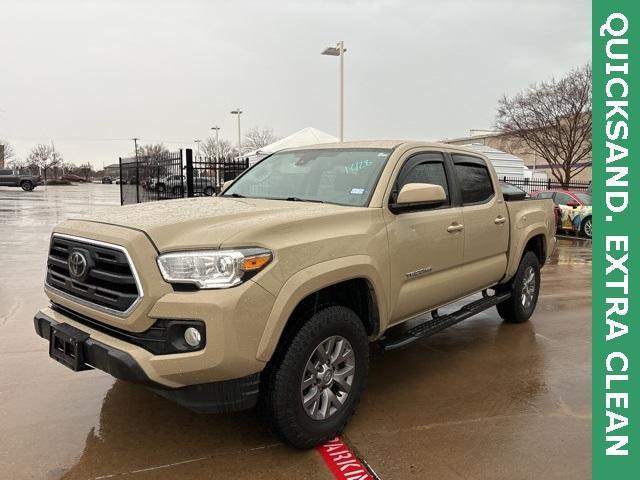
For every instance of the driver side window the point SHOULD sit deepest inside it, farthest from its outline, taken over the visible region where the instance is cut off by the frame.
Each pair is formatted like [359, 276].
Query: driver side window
[422, 168]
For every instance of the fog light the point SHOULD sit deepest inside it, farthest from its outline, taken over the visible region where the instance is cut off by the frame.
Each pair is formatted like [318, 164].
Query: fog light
[192, 337]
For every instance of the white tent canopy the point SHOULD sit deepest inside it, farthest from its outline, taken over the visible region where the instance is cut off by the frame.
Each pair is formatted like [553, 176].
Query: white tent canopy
[506, 164]
[301, 138]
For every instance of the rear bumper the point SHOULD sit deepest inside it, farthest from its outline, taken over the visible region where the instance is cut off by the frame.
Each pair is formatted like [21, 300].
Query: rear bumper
[214, 397]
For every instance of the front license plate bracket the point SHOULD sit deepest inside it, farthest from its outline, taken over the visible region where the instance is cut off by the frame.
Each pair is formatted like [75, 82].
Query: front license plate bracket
[66, 345]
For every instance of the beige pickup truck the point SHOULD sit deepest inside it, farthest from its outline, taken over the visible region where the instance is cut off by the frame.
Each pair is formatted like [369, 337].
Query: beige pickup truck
[272, 292]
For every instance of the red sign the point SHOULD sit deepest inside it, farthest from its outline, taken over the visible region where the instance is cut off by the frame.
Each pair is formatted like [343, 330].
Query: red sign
[342, 462]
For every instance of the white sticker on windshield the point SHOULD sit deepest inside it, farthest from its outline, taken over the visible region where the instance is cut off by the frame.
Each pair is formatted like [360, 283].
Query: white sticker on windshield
[357, 191]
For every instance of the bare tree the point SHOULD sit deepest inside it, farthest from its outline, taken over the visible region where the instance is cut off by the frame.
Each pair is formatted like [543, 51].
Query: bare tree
[225, 150]
[7, 150]
[44, 157]
[554, 120]
[257, 138]
[152, 150]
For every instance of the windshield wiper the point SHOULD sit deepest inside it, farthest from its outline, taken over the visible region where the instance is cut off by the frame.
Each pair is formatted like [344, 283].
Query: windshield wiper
[298, 199]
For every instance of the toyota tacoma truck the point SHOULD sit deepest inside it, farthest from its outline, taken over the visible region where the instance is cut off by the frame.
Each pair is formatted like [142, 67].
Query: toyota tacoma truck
[271, 293]
[9, 178]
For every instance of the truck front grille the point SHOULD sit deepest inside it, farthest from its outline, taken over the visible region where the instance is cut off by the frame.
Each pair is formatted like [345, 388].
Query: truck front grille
[99, 274]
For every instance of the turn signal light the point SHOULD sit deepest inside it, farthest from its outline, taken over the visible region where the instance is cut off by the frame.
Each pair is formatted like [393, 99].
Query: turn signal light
[255, 263]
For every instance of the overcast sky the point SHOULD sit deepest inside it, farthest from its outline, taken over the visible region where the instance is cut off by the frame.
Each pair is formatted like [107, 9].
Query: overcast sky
[91, 74]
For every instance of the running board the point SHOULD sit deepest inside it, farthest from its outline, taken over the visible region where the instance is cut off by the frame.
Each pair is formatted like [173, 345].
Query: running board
[439, 323]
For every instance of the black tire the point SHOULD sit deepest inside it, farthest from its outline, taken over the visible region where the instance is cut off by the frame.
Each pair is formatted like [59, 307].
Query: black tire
[516, 309]
[209, 191]
[27, 185]
[585, 227]
[281, 389]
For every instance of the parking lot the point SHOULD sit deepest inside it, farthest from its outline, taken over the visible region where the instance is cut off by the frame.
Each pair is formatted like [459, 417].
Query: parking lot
[482, 400]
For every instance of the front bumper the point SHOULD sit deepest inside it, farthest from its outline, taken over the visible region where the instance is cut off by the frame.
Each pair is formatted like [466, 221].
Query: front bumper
[214, 397]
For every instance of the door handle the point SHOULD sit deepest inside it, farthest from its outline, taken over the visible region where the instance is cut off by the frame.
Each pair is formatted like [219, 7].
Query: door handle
[499, 220]
[455, 227]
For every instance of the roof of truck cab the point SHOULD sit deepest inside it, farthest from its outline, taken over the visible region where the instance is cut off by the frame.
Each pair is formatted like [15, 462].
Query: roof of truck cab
[387, 144]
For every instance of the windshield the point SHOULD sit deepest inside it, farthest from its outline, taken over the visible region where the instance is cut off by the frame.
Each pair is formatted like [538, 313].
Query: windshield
[585, 198]
[346, 176]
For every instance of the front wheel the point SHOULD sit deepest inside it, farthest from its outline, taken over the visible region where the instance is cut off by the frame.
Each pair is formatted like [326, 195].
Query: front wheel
[585, 228]
[27, 185]
[525, 287]
[314, 383]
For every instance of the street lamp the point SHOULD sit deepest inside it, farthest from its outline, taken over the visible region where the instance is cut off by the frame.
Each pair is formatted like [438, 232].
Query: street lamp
[338, 51]
[217, 129]
[238, 112]
[197, 142]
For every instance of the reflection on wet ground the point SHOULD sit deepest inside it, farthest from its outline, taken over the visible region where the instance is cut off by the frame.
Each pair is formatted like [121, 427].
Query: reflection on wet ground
[481, 400]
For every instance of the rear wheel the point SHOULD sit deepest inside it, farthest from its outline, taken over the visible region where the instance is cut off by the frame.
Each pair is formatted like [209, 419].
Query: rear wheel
[525, 287]
[27, 185]
[585, 228]
[313, 384]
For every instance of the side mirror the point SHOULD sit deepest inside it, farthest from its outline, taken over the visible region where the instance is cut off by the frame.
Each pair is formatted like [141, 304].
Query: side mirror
[414, 196]
[226, 185]
[573, 204]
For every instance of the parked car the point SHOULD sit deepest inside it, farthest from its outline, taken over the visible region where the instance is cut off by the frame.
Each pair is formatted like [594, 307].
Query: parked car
[70, 177]
[9, 178]
[573, 209]
[107, 180]
[167, 183]
[275, 296]
[176, 183]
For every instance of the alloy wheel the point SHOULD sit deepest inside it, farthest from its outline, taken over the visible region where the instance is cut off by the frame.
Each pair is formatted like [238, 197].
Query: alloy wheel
[528, 287]
[327, 378]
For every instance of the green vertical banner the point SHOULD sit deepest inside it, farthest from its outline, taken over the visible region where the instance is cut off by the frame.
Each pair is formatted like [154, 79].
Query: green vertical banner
[616, 215]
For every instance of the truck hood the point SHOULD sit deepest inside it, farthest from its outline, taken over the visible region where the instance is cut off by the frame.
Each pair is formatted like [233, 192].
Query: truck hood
[206, 222]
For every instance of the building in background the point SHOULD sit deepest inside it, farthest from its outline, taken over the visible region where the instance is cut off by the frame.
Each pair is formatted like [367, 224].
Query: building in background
[112, 170]
[510, 144]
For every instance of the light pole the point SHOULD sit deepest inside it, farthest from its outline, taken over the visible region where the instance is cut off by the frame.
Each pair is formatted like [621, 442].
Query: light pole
[338, 51]
[197, 142]
[217, 129]
[238, 112]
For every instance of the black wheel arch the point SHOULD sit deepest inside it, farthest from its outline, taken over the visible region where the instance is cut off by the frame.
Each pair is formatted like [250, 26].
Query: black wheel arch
[356, 294]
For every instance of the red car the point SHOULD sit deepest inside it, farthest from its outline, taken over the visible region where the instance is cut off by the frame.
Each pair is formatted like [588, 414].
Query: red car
[573, 209]
[70, 177]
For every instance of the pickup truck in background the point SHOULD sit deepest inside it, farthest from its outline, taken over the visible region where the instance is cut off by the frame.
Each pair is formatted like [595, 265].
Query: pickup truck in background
[9, 178]
[271, 293]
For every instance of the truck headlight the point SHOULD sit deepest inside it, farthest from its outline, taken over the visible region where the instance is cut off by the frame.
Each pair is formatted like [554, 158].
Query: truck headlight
[213, 268]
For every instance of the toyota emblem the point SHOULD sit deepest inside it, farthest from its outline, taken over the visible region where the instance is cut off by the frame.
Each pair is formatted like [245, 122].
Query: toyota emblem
[77, 265]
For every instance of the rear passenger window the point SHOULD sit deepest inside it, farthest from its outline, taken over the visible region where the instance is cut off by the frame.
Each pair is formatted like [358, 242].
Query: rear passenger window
[473, 178]
[563, 199]
[422, 168]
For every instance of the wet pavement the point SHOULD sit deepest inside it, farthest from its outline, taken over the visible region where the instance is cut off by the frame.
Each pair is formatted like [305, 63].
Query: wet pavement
[482, 400]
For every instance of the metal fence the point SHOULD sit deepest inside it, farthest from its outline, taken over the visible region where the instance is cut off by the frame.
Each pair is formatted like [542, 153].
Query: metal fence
[535, 184]
[174, 175]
